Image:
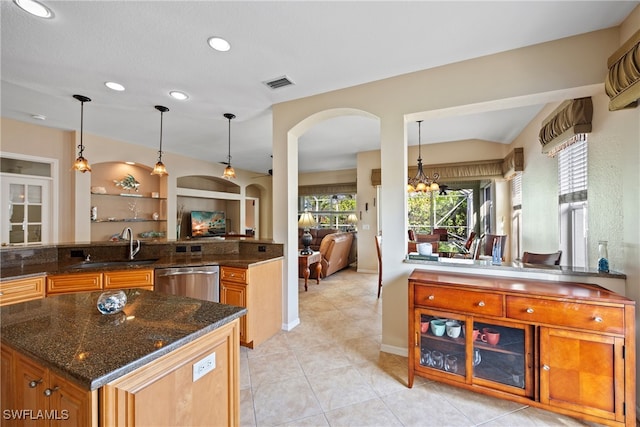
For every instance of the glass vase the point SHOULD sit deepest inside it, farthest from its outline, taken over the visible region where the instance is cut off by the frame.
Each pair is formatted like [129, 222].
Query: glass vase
[111, 302]
[603, 257]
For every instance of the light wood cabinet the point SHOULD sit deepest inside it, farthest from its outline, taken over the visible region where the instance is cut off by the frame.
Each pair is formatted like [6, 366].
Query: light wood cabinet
[20, 290]
[164, 392]
[128, 279]
[259, 289]
[563, 347]
[95, 281]
[73, 282]
[40, 397]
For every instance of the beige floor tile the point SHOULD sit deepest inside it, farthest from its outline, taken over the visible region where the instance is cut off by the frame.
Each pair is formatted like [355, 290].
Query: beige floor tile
[315, 421]
[533, 417]
[245, 378]
[275, 345]
[340, 387]
[247, 413]
[372, 413]
[273, 368]
[321, 358]
[284, 401]
[423, 406]
[385, 379]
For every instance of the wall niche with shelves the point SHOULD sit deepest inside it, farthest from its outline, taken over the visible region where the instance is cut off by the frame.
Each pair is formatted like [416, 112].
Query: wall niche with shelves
[207, 193]
[143, 209]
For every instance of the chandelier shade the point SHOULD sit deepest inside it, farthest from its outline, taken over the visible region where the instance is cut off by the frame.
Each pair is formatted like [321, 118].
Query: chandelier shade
[421, 183]
[160, 169]
[229, 172]
[81, 164]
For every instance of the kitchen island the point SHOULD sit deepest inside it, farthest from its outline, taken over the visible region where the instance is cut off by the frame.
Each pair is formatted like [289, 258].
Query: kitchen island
[163, 360]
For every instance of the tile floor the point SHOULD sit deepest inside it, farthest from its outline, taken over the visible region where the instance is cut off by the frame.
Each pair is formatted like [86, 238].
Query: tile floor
[329, 371]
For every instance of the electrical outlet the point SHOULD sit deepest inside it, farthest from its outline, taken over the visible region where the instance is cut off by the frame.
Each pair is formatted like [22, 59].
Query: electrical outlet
[262, 248]
[204, 366]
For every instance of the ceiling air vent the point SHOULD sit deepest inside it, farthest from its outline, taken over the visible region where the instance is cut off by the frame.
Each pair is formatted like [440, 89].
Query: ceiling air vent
[278, 82]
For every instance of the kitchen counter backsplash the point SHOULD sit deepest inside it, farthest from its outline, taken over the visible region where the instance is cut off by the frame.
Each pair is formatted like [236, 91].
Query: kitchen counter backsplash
[117, 251]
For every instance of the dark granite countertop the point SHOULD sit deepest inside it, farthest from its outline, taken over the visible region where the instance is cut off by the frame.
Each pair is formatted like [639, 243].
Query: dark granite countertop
[177, 260]
[68, 335]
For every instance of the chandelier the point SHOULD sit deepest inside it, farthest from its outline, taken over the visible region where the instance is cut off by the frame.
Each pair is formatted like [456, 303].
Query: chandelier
[421, 183]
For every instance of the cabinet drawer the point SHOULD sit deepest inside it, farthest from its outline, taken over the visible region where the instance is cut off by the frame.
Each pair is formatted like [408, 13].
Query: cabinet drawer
[591, 317]
[128, 279]
[76, 282]
[20, 290]
[232, 274]
[451, 299]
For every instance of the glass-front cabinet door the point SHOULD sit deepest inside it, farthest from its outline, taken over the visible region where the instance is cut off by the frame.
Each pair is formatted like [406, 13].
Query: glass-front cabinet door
[27, 213]
[502, 356]
[442, 344]
[490, 353]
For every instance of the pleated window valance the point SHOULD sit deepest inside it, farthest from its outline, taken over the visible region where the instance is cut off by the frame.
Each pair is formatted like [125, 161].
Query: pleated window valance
[622, 84]
[467, 171]
[572, 117]
[342, 188]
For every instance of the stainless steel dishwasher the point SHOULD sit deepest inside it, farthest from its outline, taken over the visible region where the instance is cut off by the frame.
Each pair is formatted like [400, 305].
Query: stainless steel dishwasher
[201, 282]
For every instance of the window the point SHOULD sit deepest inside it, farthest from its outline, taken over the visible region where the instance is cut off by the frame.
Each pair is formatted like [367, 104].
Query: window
[572, 200]
[450, 209]
[329, 210]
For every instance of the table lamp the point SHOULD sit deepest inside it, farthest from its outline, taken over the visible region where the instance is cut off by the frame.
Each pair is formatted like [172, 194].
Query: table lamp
[352, 220]
[306, 221]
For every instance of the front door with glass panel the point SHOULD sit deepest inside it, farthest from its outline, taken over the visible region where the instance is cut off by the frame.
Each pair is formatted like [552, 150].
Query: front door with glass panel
[26, 216]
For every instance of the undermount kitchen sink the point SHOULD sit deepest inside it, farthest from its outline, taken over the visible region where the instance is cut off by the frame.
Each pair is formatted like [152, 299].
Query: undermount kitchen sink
[100, 264]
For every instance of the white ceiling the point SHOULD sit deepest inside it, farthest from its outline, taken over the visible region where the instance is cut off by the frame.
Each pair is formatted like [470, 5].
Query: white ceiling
[152, 47]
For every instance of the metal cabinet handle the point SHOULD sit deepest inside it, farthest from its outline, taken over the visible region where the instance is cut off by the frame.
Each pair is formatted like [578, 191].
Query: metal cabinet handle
[546, 367]
[529, 310]
[1, 293]
[481, 304]
[598, 319]
[48, 392]
[34, 383]
[431, 297]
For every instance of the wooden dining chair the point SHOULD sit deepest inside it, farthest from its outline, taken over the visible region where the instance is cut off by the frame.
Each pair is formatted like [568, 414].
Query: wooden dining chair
[379, 250]
[545, 259]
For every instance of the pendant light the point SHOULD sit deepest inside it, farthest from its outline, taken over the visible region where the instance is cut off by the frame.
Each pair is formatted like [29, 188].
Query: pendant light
[159, 168]
[421, 182]
[229, 173]
[81, 164]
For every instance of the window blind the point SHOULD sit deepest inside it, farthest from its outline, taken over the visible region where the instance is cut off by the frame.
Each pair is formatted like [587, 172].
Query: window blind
[572, 172]
[516, 191]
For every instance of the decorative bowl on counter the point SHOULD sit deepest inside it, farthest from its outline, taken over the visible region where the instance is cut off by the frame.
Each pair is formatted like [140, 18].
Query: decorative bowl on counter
[111, 302]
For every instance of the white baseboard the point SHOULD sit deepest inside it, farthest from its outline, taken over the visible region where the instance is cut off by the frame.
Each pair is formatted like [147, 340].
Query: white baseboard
[364, 270]
[289, 326]
[400, 351]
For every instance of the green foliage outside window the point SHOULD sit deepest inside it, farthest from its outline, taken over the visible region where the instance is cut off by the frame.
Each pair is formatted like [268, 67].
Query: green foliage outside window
[428, 211]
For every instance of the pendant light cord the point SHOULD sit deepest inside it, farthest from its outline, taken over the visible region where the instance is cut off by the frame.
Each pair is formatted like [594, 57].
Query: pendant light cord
[160, 151]
[81, 146]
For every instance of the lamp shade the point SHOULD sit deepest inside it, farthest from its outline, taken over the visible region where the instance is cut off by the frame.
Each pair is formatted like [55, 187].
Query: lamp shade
[352, 219]
[306, 220]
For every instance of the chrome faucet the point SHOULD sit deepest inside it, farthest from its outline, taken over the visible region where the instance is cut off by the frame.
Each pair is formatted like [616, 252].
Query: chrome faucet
[128, 234]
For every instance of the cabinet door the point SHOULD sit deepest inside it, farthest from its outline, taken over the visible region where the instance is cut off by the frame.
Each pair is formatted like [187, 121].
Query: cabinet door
[582, 372]
[128, 279]
[236, 294]
[7, 386]
[76, 282]
[70, 404]
[502, 355]
[31, 381]
[440, 348]
[20, 290]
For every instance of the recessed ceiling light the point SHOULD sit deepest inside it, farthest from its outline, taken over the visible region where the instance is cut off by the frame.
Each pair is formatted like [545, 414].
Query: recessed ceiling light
[219, 44]
[38, 117]
[178, 95]
[35, 8]
[130, 163]
[114, 86]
